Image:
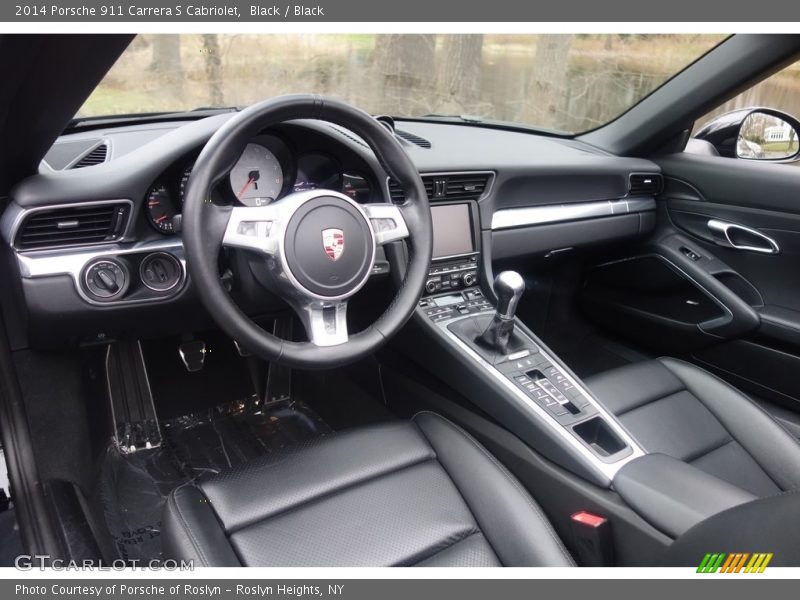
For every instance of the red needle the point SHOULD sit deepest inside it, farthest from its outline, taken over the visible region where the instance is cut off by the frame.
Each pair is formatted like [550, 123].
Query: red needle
[246, 186]
[161, 218]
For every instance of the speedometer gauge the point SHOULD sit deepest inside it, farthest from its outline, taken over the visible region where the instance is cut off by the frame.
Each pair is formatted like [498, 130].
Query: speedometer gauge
[257, 178]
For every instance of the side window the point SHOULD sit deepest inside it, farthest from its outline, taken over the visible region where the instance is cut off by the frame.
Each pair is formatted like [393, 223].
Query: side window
[762, 123]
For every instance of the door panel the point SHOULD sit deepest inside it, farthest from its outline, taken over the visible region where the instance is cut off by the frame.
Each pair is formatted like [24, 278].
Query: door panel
[765, 198]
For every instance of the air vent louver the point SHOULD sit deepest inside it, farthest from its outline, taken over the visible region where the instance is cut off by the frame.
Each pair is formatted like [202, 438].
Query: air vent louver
[73, 226]
[95, 157]
[414, 139]
[645, 184]
[446, 187]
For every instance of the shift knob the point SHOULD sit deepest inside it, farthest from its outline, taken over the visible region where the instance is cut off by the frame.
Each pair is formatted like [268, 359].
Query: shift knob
[508, 287]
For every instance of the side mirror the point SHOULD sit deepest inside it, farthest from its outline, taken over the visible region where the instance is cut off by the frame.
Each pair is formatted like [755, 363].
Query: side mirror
[764, 136]
[754, 134]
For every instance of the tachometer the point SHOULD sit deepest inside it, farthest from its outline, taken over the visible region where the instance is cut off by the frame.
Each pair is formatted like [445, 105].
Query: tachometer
[257, 178]
[161, 208]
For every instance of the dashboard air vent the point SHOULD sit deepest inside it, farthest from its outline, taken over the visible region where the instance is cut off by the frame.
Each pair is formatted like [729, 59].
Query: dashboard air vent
[464, 187]
[95, 157]
[645, 184]
[414, 139]
[73, 226]
[467, 186]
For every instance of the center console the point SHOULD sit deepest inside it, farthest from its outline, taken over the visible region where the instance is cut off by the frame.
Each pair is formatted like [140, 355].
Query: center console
[503, 367]
[453, 282]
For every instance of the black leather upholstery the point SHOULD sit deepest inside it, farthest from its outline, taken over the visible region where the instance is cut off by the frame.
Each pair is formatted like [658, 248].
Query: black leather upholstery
[764, 525]
[680, 410]
[411, 493]
[672, 495]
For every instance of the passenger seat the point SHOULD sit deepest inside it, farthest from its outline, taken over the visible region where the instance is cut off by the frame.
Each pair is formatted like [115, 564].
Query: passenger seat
[675, 408]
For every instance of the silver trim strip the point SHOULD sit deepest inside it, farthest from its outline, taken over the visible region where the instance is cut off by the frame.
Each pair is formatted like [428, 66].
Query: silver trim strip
[508, 218]
[607, 470]
[14, 216]
[46, 263]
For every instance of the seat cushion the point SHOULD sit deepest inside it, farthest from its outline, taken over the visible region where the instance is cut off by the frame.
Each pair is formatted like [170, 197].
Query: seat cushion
[681, 410]
[409, 493]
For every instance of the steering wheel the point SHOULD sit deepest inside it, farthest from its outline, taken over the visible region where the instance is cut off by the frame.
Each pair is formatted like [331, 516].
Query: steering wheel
[318, 246]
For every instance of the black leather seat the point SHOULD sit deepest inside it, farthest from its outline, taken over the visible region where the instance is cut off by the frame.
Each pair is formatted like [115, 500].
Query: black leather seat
[678, 409]
[412, 493]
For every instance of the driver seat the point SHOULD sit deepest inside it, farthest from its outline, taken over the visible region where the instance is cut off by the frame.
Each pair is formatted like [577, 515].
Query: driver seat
[421, 492]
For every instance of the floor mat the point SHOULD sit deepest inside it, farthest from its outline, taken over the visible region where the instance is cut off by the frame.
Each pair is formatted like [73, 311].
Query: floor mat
[134, 487]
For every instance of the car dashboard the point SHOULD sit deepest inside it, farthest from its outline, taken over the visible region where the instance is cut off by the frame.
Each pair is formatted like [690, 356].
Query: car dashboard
[94, 238]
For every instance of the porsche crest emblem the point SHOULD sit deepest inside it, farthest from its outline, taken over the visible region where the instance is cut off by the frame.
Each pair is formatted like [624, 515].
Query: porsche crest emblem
[333, 243]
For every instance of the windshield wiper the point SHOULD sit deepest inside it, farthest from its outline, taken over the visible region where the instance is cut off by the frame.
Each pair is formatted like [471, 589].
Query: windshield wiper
[96, 122]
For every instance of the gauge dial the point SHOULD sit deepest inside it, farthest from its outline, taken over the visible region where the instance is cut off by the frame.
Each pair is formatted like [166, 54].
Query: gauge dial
[317, 171]
[357, 187]
[161, 208]
[257, 178]
[183, 182]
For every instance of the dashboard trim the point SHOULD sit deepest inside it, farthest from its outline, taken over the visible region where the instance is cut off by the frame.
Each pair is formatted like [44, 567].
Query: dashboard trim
[510, 218]
[43, 263]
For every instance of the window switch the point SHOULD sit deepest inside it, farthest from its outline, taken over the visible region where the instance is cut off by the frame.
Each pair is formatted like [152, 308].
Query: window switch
[690, 254]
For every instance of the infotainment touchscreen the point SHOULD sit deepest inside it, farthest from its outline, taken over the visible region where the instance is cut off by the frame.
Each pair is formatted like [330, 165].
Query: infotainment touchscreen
[452, 230]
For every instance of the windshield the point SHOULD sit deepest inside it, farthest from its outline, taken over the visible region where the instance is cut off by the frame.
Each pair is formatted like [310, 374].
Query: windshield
[568, 83]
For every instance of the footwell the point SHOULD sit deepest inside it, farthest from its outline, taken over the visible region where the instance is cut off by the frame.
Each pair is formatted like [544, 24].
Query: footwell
[135, 486]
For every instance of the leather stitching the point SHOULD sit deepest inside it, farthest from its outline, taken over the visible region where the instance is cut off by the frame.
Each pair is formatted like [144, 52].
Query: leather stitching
[329, 494]
[597, 381]
[460, 538]
[525, 494]
[693, 457]
[189, 533]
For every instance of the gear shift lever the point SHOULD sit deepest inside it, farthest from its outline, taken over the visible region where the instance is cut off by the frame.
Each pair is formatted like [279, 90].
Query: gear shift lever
[508, 287]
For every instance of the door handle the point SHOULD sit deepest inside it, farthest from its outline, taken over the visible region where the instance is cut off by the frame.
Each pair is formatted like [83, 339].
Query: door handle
[740, 237]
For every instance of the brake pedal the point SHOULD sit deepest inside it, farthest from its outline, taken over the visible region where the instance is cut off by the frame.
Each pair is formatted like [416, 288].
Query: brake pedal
[132, 409]
[193, 355]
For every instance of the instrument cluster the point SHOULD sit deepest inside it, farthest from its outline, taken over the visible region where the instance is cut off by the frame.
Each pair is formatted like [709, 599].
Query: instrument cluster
[267, 170]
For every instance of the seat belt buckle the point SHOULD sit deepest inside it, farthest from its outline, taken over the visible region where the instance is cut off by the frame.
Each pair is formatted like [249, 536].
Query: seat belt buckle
[593, 542]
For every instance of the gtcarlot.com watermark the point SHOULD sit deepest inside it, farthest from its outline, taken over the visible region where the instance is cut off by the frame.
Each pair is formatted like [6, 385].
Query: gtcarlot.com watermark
[28, 562]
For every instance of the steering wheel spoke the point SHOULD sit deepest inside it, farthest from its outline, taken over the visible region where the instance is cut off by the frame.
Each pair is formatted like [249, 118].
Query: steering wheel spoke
[387, 222]
[326, 324]
[254, 228]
